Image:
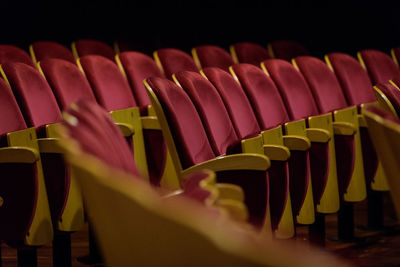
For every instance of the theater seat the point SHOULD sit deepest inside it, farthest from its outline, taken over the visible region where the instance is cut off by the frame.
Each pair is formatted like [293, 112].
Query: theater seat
[212, 56]
[48, 49]
[247, 52]
[172, 60]
[286, 49]
[388, 96]
[190, 149]
[11, 53]
[85, 47]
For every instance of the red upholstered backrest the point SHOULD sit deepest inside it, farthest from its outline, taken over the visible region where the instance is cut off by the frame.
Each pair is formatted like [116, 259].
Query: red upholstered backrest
[211, 109]
[186, 126]
[383, 113]
[353, 78]
[139, 66]
[236, 102]
[264, 97]
[68, 83]
[293, 88]
[323, 83]
[214, 56]
[11, 118]
[287, 49]
[392, 93]
[11, 53]
[109, 85]
[48, 49]
[175, 60]
[380, 66]
[33, 94]
[86, 47]
[251, 53]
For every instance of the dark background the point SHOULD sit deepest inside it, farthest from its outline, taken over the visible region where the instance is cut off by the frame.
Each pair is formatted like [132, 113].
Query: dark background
[321, 27]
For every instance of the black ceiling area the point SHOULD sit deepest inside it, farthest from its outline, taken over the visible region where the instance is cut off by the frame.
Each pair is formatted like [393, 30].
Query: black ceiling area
[151, 25]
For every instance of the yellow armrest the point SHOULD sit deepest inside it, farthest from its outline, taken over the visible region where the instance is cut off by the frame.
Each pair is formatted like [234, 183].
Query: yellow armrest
[343, 128]
[296, 142]
[50, 145]
[276, 152]
[237, 210]
[361, 120]
[243, 161]
[18, 155]
[126, 129]
[230, 191]
[318, 135]
[150, 122]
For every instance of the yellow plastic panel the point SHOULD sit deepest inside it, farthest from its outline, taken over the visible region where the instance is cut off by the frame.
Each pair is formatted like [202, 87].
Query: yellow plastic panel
[253, 145]
[273, 136]
[357, 190]
[41, 229]
[330, 200]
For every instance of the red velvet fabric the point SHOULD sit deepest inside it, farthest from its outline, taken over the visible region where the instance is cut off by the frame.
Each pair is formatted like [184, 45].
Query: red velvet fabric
[288, 49]
[392, 93]
[109, 85]
[34, 95]
[263, 95]
[192, 189]
[175, 60]
[185, 123]
[236, 102]
[49, 49]
[211, 109]
[86, 47]
[68, 83]
[251, 53]
[323, 84]
[214, 56]
[354, 80]
[380, 66]
[139, 66]
[293, 88]
[11, 53]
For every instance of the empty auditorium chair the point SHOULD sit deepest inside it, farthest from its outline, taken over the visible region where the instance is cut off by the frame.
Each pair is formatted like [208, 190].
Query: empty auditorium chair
[85, 47]
[48, 49]
[25, 212]
[212, 56]
[172, 60]
[247, 52]
[190, 149]
[379, 65]
[384, 129]
[11, 53]
[187, 233]
[224, 140]
[286, 49]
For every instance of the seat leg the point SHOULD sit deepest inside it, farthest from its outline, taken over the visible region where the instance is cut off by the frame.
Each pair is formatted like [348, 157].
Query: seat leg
[317, 230]
[62, 249]
[27, 257]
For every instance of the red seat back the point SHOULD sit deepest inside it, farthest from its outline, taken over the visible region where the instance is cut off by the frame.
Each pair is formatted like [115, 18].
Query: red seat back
[186, 126]
[323, 84]
[293, 88]
[139, 66]
[236, 102]
[380, 66]
[48, 49]
[33, 93]
[287, 49]
[11, 53]
[213, 56]
[264, 97]
[86, 47]
[251, 53]
[68, 83]
[211, 109]
[109, 85]
[174, 60]
[392, 93]
[353, 78]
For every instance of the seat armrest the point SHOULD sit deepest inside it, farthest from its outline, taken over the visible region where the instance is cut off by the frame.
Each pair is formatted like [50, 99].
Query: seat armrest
[318, 135]
[344, 128]
[126, 129]
[150, 123]
[230, 191]
[296, 142]
[18, 155]
[276, 152]
[50, 145]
